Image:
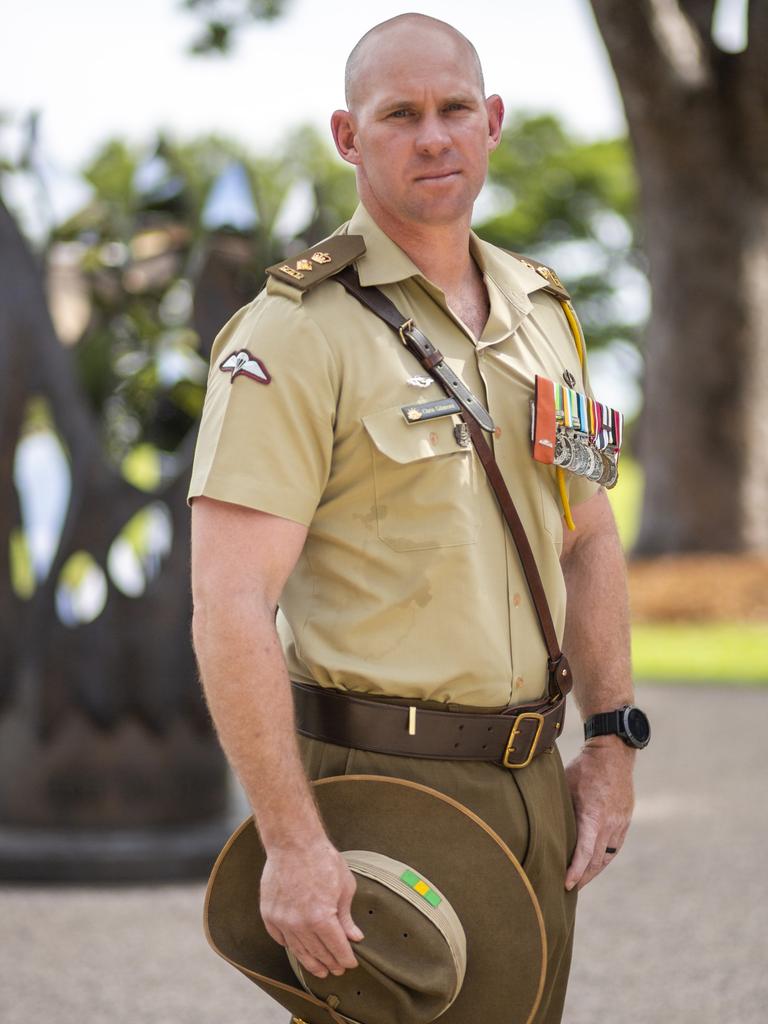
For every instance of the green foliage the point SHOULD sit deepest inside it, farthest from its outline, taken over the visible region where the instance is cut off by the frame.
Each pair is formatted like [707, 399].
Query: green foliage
[111, 174]
[141, 249]
[222, 19]
[554, 185]
[309, 156]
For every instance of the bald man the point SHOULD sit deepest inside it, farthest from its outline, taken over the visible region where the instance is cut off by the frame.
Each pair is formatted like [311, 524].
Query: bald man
[378, 535]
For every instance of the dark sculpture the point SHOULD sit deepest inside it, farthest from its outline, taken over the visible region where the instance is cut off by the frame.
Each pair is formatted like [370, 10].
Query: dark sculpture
[109, 766]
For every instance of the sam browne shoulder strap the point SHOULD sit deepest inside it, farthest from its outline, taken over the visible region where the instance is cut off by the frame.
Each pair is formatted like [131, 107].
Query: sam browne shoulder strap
[477, 419]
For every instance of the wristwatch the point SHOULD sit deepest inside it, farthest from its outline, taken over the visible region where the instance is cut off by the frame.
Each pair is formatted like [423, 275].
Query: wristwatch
[628, 722]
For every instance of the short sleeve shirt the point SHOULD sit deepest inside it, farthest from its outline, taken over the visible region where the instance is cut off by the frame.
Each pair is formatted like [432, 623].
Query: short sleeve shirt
[409, 584]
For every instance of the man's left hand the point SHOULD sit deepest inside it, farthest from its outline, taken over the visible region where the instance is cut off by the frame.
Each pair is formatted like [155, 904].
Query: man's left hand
[600, 781]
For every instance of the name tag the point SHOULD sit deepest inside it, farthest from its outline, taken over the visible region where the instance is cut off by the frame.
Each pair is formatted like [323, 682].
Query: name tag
[430, 410]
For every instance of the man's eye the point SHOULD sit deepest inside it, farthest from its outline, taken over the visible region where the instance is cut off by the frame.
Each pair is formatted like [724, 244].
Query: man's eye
[400, 113]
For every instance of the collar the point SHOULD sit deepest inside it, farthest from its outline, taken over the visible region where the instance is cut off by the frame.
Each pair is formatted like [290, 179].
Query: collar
[384, 262]
[514, 279]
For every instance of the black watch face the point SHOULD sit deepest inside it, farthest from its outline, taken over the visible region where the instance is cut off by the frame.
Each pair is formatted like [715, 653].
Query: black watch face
[637, 726]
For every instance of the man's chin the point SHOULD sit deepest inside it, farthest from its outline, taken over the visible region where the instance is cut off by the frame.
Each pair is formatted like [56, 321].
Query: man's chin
[430, 207]
[427, 206]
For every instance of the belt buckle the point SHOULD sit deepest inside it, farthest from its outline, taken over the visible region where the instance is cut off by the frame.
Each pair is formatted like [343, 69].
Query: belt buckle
[407, 326]
[513, 734]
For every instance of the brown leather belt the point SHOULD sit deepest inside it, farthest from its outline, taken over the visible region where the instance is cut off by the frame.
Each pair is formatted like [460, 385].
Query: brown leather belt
[510, 738]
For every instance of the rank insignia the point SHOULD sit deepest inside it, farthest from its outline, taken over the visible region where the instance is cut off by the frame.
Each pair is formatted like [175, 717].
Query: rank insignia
[553, 283]
[576, 432]
[549, 275]
[308, 269]
[242, 363]
[420, 382]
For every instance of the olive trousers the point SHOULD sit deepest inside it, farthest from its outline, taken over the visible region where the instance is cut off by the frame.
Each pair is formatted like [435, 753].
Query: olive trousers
[531, 810]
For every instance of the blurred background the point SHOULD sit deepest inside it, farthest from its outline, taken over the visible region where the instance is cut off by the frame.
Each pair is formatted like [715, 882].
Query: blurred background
[154, 158]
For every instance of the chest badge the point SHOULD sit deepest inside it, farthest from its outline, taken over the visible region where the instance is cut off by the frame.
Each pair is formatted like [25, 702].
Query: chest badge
[569, 379]
[419, 382]
[242, 363]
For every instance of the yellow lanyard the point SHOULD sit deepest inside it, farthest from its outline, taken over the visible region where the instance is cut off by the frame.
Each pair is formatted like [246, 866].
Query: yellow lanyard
[573, 323]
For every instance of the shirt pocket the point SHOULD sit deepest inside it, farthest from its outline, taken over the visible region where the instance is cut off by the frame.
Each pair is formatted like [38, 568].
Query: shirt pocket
[424, 481]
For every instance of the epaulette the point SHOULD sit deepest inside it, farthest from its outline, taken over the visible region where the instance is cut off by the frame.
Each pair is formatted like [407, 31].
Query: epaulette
[554, 285]
[319, 262]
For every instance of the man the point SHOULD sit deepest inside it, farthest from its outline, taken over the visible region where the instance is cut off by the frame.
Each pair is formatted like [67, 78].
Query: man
[382, 540]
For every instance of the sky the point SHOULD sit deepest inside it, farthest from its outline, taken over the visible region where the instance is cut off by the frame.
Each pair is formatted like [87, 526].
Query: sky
[97, 69]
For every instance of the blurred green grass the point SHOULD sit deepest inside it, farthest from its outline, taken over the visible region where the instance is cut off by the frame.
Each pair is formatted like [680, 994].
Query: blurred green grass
[712, 652]
[706, 652]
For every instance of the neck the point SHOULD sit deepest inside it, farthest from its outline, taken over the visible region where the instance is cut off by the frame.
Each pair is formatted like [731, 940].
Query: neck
[440, 251]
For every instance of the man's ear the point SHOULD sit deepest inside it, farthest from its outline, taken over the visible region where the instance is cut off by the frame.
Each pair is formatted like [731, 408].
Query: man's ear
[343, 131]
[495, 108]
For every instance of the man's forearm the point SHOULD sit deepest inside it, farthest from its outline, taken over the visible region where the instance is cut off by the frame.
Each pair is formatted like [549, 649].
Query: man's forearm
[597, 642]
[597, 632]
[248, 692]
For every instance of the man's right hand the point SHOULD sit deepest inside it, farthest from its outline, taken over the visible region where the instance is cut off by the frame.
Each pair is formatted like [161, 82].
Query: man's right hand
[306, 900]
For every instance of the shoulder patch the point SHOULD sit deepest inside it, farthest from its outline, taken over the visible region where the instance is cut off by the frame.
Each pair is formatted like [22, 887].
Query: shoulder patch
[320, 262]
[554, 285]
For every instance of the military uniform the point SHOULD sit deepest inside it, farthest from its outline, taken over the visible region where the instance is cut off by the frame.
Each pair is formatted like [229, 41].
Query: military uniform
[409, 585]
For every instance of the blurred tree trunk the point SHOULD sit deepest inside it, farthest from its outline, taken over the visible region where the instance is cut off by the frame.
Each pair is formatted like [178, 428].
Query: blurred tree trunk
[698, 122]
[103, 729]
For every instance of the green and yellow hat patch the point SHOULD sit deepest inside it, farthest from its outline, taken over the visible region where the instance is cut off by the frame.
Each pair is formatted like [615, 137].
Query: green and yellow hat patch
[423, 888]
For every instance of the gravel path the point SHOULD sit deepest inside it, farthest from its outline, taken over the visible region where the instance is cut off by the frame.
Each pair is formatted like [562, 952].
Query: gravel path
[673, 932]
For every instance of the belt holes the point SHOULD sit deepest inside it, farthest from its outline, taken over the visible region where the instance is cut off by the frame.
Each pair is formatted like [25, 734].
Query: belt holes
[484, 746]
[405, 935]
[455, 745]
[490, 728]
[461, 727]
[370, 911]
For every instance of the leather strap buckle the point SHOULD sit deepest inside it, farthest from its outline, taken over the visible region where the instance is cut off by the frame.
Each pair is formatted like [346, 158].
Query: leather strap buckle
[510, 749]
[407, 326]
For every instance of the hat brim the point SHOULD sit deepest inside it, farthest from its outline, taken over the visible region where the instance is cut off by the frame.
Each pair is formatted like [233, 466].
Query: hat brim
[438, 837]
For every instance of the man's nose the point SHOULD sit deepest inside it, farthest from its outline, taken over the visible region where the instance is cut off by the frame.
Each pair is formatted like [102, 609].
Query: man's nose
[433, 138]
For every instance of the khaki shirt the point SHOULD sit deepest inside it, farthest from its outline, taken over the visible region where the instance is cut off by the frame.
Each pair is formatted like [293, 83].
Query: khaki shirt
[409, 583]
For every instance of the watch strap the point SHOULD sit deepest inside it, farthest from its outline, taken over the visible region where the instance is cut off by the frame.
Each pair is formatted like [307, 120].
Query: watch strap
[606, 723]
